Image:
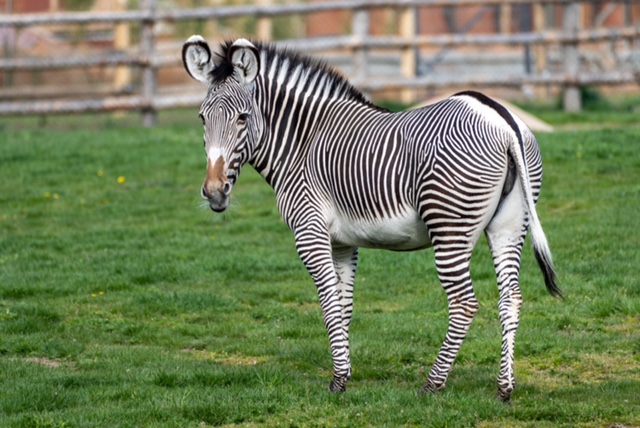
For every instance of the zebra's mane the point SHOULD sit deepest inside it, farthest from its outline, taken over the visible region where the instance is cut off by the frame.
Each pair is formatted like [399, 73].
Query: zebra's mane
[298, 64]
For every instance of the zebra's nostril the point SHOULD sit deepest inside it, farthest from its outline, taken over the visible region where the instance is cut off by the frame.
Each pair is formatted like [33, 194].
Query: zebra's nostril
[226, 188]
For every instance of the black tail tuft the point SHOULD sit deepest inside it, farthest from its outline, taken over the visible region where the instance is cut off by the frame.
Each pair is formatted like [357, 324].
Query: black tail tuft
[549, 273]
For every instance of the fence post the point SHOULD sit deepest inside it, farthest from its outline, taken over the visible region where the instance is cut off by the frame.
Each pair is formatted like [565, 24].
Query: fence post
[539, 50]
[571, 23]
[505, 18]
[264, 28]
[122, 76]
[360, 29]
[8, 36]
[408, 56]
[147, 48]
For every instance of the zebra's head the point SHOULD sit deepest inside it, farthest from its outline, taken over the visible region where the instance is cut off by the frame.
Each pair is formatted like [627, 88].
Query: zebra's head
[229, 112]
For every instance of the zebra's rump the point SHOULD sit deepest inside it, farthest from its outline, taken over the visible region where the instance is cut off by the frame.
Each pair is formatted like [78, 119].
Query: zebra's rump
[403, 232]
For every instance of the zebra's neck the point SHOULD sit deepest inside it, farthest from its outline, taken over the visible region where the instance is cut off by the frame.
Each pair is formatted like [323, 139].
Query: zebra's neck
[293, 93]
[295, 72]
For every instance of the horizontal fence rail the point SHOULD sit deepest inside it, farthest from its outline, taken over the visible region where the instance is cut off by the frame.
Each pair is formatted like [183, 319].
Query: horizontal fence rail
[149, 60]
[341, 42]
[587, 79]
[239, 11]
[396, 42]
[109, 59]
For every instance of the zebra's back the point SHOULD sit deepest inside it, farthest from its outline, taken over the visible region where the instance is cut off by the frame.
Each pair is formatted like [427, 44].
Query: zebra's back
[370, 170]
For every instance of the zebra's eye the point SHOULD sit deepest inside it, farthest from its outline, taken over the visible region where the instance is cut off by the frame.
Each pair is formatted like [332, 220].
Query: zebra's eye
[242, 119]
[201, 118]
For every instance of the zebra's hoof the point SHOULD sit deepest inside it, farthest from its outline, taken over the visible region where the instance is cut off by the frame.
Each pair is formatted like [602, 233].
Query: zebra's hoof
[430, 388]
[504, 396]
[338, 386]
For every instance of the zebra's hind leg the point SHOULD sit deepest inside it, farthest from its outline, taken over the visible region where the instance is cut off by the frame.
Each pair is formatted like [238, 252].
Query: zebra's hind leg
[453, 271]
[506, 234]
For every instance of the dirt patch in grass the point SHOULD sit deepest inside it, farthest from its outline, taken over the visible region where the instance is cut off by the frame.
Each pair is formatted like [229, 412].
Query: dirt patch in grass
[589, 369]
[628, 327]
[44, 361]
[545, 424]
[223, 358]
[304, 307]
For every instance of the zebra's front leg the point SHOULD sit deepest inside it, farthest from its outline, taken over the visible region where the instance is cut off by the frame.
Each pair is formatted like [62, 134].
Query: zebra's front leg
[453, 271]
[345, 261]
[315, 252]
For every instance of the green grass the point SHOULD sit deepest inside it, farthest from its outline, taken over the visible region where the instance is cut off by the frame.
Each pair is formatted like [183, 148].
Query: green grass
[129, 304]
[598, 111]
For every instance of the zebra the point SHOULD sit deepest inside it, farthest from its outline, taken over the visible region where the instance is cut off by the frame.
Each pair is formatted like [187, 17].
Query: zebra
[348, 174]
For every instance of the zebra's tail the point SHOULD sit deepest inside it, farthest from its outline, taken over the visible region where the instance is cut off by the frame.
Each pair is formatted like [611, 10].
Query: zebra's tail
[538, 238]
[517, 151]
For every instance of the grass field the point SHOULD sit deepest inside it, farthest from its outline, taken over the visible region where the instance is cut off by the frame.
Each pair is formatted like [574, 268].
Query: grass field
[125, 303]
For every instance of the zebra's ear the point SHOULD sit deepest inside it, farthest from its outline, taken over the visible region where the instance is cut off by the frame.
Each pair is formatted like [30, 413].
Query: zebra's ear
[245, 59]
[196, 57]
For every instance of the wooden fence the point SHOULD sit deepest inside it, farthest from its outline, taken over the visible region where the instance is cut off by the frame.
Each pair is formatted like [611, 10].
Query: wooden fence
[359, 44]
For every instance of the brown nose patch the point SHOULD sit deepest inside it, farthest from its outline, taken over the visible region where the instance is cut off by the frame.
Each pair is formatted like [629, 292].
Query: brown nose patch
[215, 171]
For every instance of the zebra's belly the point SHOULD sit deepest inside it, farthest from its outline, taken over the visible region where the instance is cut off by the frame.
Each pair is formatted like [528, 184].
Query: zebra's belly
[405, 232]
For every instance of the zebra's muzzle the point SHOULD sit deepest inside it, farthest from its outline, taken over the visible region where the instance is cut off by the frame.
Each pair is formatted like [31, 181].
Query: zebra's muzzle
[217, 187]
[218, 209]
[218, 198]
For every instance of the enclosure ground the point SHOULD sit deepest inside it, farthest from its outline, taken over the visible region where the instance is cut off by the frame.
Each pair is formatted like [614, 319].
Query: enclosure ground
[124, 302]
